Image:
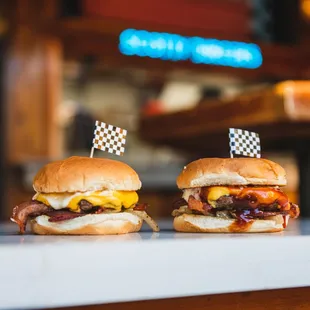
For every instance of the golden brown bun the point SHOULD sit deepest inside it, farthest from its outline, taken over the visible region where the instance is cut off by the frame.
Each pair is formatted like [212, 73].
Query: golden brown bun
[92, 224]
[80, 174]
[231, 171]
[208, 224]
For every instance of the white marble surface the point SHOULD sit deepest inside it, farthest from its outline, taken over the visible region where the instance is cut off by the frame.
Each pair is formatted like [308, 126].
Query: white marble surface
[50, 271]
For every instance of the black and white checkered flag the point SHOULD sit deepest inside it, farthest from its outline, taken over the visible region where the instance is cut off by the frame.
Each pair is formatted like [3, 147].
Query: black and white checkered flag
[243, 142]
[109, 138]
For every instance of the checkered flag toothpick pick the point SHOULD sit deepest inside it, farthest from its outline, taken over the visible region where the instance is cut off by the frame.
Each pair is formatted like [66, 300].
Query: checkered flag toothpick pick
[109, 138]
[243, 142]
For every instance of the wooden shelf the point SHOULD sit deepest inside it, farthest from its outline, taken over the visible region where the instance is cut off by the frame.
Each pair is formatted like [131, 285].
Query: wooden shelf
[204, 130]
[114, 26]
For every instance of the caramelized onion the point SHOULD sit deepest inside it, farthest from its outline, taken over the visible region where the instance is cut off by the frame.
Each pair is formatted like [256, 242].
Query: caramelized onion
[144, 216]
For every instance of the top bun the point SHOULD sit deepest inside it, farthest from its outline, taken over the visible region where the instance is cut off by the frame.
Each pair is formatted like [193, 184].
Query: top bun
[231, 171]
[81, 174]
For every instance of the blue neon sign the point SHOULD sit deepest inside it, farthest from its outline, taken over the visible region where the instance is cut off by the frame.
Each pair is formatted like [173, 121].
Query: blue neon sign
[174, 47]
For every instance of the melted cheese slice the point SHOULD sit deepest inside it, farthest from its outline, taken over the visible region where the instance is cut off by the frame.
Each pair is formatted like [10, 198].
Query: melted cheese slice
[110, 199]
[215, 192]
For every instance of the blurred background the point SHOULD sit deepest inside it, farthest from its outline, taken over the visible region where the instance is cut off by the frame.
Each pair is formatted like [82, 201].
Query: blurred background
[65, 64]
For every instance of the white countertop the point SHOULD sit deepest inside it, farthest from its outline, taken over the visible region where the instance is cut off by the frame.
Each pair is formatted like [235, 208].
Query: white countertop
[55, 271]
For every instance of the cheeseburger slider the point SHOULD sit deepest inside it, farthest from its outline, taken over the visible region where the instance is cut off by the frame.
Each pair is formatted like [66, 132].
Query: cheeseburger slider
[81, 195]
[233, 195]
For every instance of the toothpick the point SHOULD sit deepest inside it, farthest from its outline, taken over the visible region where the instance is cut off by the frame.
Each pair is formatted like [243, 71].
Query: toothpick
[92, 152]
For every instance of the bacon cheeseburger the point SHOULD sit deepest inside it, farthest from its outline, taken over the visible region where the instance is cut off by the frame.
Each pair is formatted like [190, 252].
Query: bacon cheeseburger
[233, 195]
[81, 196]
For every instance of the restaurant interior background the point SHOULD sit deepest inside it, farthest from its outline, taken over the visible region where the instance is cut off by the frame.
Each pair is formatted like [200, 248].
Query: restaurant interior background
[62, 69]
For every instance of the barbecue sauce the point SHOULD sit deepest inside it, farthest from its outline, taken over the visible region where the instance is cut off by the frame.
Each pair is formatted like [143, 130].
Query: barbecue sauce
[261, 196]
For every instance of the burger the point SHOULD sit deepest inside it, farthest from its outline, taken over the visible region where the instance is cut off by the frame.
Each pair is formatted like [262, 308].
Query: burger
[84, 196]
[233, 195]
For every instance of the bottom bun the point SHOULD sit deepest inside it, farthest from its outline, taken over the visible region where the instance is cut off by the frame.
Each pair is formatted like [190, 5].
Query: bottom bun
[208, 224]
[92, 224]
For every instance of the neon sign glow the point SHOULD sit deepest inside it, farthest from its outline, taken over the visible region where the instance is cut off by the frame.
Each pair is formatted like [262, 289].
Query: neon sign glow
[198, 50]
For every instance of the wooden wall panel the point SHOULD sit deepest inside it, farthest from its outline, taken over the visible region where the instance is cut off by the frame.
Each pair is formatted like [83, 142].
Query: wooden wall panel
[230, 17]
[32, 83]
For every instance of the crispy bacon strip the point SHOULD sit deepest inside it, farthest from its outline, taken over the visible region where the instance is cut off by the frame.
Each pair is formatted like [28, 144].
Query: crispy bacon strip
[294, 211]
[140, 207]
[59, 215]
[198, 205]
[22, 212]
[195, 204]
[34, 208]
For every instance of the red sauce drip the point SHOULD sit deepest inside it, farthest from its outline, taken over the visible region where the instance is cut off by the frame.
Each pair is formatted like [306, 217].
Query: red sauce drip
[242, 224]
